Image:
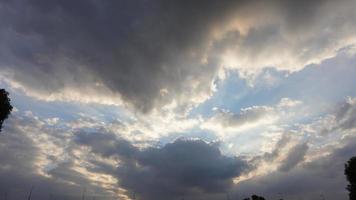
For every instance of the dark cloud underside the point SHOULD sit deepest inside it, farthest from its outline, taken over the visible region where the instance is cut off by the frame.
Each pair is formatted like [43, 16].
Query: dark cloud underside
[135, 48]
[182, 168]
[139, 49]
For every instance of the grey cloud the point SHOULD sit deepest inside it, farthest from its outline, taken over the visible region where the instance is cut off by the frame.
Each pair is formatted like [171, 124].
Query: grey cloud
[135, 48]
[344, 118]
[301, 13]
[106, 144]
[183, 168]
[322, 176]
[19, 169]
[346, 114]
[285, 139]
[245, 116]
[294, 157]
[16, 148]
[190, 168]
[139, 48]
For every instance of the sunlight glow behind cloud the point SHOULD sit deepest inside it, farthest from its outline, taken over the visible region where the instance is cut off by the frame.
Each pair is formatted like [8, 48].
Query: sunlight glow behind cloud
[171, 99]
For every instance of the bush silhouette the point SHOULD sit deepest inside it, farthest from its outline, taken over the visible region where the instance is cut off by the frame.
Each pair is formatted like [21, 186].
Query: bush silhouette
[350, 172]
[5, 106]
[255, 197]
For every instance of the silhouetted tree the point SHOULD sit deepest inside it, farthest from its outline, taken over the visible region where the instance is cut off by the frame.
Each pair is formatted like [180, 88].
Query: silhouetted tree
[5, 106]
[255, 197]
[350, 172]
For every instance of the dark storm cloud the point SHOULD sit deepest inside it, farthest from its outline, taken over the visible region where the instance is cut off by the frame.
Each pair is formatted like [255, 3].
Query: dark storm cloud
[135, 48]
[182, 168]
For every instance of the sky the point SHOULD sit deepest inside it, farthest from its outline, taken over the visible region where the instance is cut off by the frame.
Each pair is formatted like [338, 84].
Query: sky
[164, 100]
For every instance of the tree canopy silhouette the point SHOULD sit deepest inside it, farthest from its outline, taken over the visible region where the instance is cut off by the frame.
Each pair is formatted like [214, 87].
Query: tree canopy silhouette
[255, 197]
[5, 106]
[350, 172]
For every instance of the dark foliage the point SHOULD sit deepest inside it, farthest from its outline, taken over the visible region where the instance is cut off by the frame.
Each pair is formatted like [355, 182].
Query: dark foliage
[255, 197]
[350, 172]
[5, 106]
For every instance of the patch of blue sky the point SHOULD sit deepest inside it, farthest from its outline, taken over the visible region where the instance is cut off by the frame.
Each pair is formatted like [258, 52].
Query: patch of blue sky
[319, 86]
[229, 95]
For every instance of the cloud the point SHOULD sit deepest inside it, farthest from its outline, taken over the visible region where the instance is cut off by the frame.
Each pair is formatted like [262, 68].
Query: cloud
[279, 36]
[181, 168]
[294, 156]
[112, 45]
[297, 169]
[248, 115]
[22, 159]
[224, 122]
[152, 54]
[341, 121]
[346, 114]
[282, 143]
[287, 153]
[63, 157]
[321, 176]
[106, 144]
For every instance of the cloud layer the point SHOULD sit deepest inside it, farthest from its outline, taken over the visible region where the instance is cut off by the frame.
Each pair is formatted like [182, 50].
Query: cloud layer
[170, 99]
[65, 158]
[182, 168]
[156, 53]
